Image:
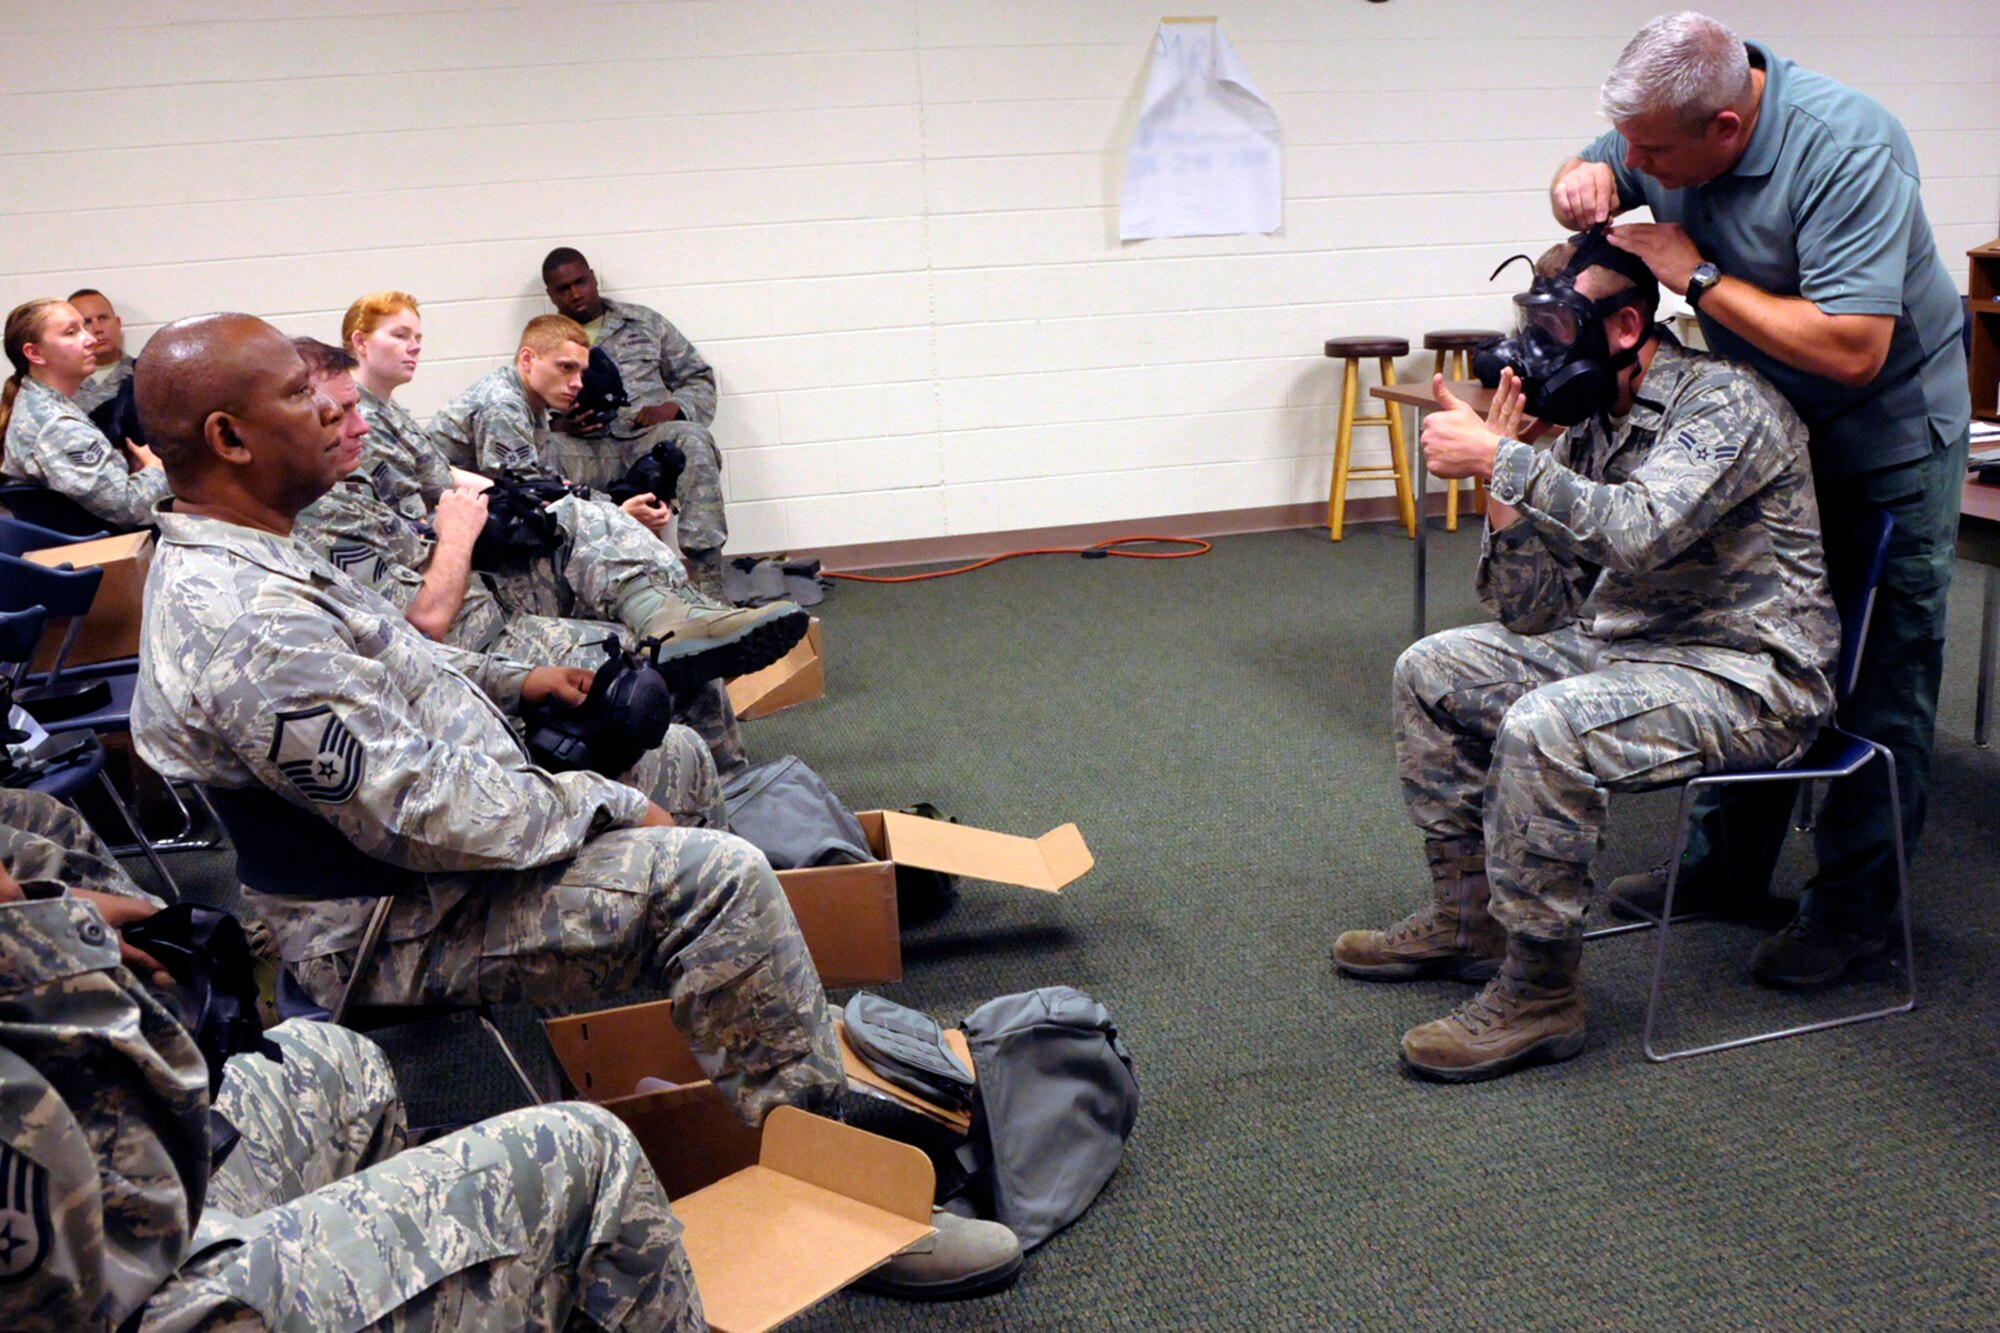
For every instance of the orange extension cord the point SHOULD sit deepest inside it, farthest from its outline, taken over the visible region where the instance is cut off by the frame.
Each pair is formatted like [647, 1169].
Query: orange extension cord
[1096, 552]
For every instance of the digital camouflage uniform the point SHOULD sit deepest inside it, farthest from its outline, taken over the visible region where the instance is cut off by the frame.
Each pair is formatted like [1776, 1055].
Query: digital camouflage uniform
[263, 665]
[51, 442]
[400, 457]
[1663, 612]
[608, 578]
[94, 392]
[531, 1220]
[492, 426]
[658, 365]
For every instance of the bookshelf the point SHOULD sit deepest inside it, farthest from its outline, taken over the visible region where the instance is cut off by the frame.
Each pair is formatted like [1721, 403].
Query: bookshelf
[1984, 291]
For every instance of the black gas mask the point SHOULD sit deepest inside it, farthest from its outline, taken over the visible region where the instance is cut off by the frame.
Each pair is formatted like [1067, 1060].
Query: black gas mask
[657, 472]
[1559, 348]
[625, 714]
[519, 523]
[603, 391]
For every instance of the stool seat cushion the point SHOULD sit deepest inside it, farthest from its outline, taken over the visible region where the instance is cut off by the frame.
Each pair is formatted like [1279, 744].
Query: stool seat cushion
[1367, 345]
[1453, 340]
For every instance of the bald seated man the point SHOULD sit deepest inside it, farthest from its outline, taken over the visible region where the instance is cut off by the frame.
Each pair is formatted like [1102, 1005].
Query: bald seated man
[265, 667]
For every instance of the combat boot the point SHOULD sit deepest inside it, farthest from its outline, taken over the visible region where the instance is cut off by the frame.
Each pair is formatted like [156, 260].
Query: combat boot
[1531, 1013]
[1454, 936]
[699, 643]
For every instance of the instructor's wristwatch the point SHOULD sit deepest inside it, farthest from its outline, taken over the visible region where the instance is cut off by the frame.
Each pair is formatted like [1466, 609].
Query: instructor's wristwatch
[1705, 276]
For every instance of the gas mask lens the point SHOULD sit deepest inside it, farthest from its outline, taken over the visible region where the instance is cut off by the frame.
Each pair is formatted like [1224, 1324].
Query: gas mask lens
[1547, 324]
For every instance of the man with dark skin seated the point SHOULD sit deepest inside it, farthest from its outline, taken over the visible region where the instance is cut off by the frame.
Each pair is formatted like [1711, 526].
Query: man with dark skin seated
[263, 666]
[673, 399]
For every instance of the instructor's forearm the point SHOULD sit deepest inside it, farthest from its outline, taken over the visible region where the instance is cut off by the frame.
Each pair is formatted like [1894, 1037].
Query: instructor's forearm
[1847, 349]
[446, 579]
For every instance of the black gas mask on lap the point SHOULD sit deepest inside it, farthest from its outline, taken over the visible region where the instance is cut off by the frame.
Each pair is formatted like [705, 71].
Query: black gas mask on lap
[625, 714]
[519, 524]
[1559, 348]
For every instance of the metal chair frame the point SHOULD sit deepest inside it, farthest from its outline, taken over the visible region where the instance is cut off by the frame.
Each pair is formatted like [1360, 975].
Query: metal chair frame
[1834, 754]
[343, 1006]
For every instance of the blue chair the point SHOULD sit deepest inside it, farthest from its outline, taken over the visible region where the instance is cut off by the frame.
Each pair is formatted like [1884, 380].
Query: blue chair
[69, 594]
[18, 537]
[49, 509]
[20, 632]
[1834, 755]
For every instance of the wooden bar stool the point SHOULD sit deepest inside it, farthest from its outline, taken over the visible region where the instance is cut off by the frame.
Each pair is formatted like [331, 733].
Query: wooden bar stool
[1454, 349]
[1352, 351]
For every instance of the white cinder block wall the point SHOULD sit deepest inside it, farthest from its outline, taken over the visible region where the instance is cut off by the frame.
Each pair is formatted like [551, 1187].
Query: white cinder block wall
[891, 224]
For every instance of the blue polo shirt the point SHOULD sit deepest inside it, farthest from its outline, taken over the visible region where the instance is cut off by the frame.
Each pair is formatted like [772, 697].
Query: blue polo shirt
[1824, 204]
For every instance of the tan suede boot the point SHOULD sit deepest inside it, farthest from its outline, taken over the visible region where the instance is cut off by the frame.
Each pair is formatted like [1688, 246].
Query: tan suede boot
[1453, 937]
[698, 643]
[1531, 1013]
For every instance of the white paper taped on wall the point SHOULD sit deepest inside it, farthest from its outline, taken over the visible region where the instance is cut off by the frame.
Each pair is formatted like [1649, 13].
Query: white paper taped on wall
[1207, 157]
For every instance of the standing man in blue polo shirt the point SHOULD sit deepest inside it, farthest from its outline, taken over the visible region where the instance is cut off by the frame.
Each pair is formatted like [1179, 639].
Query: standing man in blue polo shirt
[1787, 213]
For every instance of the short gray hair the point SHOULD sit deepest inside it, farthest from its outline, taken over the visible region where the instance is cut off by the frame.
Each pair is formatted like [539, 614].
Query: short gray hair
[1687, 63]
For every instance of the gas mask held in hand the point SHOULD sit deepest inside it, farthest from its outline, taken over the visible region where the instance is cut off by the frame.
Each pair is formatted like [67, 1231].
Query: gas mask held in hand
[603, 391]
[625, 714]
[1559, 348]
[519, 524]
[657, 473]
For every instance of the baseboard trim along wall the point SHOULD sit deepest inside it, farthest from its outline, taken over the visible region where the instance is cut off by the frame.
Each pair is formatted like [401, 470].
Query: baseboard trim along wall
[1222, 523]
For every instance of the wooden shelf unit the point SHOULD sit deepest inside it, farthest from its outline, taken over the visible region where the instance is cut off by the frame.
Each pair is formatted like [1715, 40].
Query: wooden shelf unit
[1984, 291]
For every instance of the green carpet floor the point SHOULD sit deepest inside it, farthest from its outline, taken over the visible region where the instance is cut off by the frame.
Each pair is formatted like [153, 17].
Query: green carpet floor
[1219, 728]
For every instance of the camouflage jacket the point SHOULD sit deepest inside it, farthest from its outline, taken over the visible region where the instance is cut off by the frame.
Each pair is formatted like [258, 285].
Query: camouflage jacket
[1689, 534]
[380, 546]
[658, 366]
[52, 443]
[491, 426]
[399, 456]
[263, 665]
[104, 1127]
[93, 391]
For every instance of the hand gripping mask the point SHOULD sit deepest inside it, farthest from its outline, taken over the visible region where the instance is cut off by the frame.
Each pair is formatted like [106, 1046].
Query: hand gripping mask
[625, 714]
[1558, 347]
[519, 523]
[656, 473]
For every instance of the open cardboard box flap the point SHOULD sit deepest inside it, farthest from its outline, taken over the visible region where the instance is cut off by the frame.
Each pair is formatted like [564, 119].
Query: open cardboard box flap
[1046, 863]
[824, 1204]
[772, 1223]
[848, 913]
[797, 677]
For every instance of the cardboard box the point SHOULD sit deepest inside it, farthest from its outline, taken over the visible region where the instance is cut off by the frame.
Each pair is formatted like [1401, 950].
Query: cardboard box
[773, 1223]
[797, 677]
[848, 913]
[111, 630]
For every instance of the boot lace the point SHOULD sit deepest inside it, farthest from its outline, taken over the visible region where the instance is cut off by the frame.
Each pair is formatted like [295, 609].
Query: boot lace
[1417, 924]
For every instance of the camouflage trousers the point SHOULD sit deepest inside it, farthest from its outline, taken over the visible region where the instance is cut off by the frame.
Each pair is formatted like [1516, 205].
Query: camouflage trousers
[691, 912]
[612, 573]
[697, 500]
[41, 839]
[538, 1219]
[1518, 740]
[703, 526]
